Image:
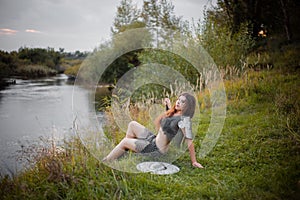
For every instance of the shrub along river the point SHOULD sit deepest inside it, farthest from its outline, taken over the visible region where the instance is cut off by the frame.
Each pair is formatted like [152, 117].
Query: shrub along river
[32, 111]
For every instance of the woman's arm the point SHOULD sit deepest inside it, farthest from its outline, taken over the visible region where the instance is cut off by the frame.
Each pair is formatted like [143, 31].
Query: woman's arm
[193, 154]
[186, 128]
[167, 103]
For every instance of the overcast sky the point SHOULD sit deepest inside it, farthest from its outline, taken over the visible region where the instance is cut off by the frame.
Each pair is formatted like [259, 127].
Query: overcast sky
[69, 24]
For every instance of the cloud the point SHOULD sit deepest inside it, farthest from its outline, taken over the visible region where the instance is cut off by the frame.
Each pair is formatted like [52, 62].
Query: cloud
[32, 31]
[7, 31]
[72, 24]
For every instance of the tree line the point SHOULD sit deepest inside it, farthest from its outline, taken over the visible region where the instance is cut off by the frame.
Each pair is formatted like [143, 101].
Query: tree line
[236, 33]
[275, 17]
[35, 62]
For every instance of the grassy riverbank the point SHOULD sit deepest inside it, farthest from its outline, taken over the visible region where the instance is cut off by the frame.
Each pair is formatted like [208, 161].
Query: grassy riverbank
[256, 156]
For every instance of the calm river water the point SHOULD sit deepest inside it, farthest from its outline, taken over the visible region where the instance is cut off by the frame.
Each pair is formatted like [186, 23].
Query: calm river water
[35, 109]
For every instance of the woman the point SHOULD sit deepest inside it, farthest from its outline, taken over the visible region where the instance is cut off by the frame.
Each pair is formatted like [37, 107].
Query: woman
[139, 139]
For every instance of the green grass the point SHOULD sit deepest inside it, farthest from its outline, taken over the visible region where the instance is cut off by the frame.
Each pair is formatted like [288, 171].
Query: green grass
[256, 156]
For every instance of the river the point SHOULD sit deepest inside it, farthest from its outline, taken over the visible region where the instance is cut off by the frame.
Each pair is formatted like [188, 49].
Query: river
[32, 111]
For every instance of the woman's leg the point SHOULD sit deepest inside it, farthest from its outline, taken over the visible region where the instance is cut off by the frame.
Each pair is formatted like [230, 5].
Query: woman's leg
[119, 150]
[136, 130]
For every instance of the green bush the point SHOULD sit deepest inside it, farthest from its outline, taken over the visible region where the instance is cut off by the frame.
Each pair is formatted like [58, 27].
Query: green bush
[72, 71]
[287, 57]
[35, 71]
[226, 49]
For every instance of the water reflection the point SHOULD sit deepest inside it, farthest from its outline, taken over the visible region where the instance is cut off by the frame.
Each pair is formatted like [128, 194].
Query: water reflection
[36, 108]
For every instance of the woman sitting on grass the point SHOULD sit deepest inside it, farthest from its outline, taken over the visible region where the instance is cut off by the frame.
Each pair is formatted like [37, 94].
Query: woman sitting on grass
[139, 139]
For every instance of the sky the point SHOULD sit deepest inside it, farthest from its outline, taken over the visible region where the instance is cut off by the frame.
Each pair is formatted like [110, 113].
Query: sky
[70, 24]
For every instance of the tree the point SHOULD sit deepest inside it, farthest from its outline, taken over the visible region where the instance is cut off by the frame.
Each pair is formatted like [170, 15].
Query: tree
[286, 20]
[154, 14]
[160, 14]
[167, 18]
[127, 13]
[151, 13]
[274, 15]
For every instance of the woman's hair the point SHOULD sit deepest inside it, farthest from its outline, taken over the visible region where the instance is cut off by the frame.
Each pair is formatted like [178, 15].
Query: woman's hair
[188, 110]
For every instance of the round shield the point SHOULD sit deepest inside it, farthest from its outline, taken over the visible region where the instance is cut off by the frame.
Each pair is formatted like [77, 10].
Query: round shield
[157, 168]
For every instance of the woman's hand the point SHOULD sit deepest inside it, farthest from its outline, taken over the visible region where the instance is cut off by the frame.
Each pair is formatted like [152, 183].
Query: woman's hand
[167, 102]
[196, 164]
